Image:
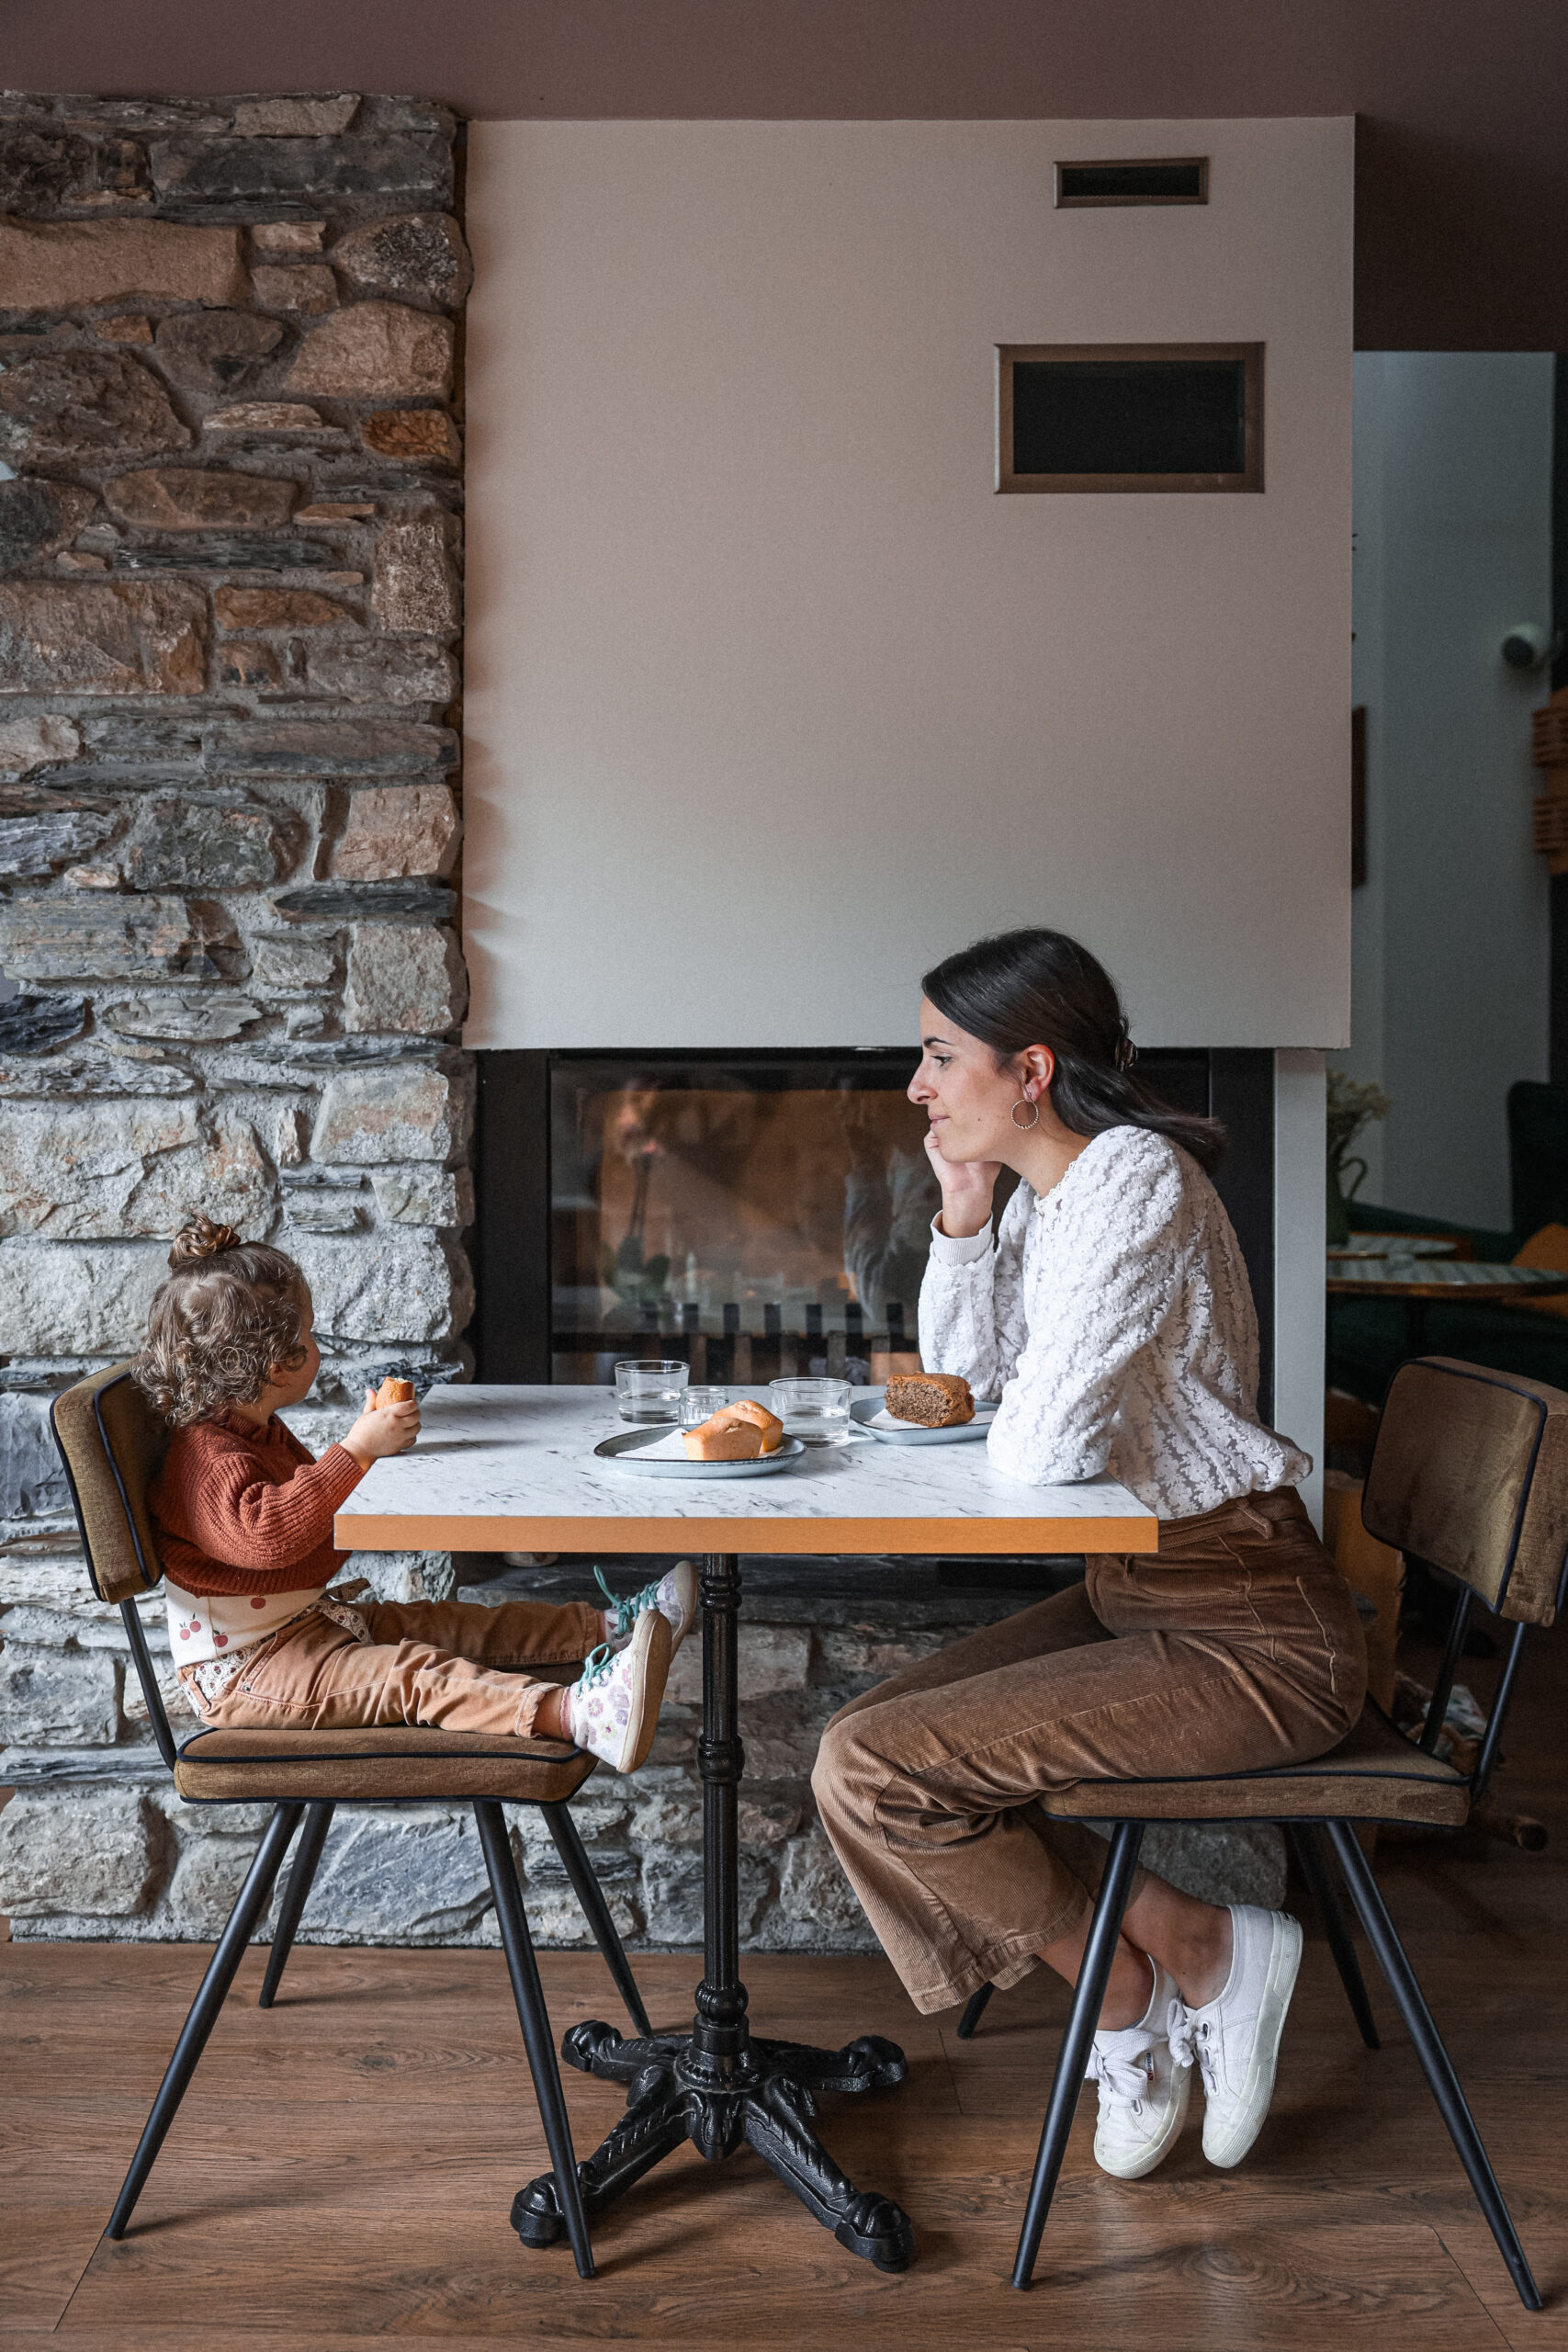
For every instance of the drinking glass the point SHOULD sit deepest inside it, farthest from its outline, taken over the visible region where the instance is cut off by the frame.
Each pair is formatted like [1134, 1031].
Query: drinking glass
[646, 1390]
[697, 1404]
[816, 1411]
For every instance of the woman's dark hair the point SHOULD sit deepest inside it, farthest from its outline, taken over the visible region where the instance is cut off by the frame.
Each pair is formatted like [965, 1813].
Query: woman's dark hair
[1040, 988]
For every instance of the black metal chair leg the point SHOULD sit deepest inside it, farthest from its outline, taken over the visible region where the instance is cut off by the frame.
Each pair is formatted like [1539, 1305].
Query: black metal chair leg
[1435, 2060]
[974, 2010]
[248, 1905]
[296, 1888]
[1304, 1837]
[1073, 2056]
[595, 1909]
[533, 2018]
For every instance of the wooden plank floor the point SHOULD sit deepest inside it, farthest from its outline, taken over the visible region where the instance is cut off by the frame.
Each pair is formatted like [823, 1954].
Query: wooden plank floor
[341, 2171]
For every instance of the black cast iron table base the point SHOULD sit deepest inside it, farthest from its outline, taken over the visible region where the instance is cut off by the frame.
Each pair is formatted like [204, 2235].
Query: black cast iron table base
[767, 2103]
[714, 2085]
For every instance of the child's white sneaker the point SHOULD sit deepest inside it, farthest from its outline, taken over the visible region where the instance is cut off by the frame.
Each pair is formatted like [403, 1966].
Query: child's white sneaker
[1145, 2085]
[674, 1595]
[1235, 2037]
[612, 1707]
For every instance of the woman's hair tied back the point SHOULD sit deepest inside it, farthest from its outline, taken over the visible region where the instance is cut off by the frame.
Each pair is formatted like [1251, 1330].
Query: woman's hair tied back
[1041, 988]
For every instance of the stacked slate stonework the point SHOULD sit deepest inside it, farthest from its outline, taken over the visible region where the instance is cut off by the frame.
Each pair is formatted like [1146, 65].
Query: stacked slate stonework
[230, 606]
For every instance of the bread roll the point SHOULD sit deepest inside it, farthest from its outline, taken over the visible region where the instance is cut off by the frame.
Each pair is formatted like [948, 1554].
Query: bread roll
[393, 1392]
[722, 1438]
[936, 1400]
[747, 1409]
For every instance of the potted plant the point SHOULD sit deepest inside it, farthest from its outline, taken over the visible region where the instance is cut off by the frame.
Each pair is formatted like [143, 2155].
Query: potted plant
[1351, 1103]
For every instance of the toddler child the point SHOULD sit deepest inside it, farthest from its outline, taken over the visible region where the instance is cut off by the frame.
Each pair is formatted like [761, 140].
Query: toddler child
[244, 1518]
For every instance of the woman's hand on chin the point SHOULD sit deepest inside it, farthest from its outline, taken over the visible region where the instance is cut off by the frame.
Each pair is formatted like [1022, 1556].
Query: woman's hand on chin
[967, 1189]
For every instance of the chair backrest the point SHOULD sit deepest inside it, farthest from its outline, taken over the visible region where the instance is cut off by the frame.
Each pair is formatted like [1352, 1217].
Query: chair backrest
[112, 1443]
[1537, 1156]
[1470, 1474]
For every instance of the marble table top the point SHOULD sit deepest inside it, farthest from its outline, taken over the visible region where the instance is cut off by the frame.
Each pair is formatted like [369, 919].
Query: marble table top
[512, 1469]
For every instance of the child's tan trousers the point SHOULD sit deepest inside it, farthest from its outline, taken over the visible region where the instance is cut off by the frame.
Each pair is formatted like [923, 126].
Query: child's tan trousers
[453, 1663]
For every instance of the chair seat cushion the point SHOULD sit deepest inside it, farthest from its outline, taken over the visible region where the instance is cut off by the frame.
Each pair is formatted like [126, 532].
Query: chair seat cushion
[1374, 1774]
[383, 1763]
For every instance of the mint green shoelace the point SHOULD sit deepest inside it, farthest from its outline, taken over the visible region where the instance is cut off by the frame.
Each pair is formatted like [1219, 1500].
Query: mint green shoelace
[597, 1666]
[627, 1611]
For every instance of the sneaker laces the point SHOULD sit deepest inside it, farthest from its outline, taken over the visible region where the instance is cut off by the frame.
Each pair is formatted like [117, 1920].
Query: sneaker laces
[627, 1612]
[597, 1666]
[1123, 2072]
[1190, 2042]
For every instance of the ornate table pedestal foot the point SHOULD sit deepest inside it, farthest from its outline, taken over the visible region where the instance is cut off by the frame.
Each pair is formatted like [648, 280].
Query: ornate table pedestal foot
[714, 2085]
[766, 2102]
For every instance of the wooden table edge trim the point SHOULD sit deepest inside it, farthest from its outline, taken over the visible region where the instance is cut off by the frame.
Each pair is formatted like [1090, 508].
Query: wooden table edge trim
[406, 1533]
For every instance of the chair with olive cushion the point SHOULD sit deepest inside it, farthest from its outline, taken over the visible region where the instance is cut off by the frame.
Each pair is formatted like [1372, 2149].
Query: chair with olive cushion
[1469, 1476]
[111, 1443]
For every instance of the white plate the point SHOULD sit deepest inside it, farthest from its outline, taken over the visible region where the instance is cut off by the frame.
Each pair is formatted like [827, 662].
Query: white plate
[660, 1454]
[870, 1413]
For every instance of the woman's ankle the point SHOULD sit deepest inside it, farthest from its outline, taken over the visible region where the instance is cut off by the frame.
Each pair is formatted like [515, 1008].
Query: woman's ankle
[1129, 1993]
[1204, 1964]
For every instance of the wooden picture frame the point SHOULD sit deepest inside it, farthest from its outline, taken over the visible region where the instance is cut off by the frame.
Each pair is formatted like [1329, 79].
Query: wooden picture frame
[1250, 477]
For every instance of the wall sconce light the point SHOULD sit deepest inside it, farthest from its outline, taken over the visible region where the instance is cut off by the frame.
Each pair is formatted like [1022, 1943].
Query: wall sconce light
[1527, 646]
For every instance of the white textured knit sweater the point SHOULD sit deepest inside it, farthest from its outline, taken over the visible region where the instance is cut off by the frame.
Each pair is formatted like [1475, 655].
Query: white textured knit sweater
[1115, 1321]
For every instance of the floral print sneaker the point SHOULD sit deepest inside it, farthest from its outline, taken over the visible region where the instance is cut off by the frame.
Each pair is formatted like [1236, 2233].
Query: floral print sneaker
[613, 1704]
[674, 1595]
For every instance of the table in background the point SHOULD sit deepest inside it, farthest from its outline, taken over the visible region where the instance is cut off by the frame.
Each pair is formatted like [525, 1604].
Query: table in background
[1418, 1281]
[1398, 1245]
[513, 1469]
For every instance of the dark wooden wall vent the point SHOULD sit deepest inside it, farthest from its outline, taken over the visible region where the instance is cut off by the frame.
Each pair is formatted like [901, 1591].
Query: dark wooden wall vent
[1169, 179]
[1129, 417]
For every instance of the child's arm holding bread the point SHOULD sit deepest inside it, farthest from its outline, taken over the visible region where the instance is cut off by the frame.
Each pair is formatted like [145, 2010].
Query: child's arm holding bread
[390, 1423]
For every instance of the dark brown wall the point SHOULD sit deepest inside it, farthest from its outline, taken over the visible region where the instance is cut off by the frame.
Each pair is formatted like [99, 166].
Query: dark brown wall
[1462, 191]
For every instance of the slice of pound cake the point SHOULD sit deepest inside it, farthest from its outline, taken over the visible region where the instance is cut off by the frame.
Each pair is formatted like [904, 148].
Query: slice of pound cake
[937, 1400]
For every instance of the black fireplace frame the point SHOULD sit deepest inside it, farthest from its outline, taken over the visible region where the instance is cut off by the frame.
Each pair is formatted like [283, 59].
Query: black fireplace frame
[511, 1333]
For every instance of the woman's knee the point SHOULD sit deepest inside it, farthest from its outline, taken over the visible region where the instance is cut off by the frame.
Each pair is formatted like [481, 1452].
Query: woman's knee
[842, 1758]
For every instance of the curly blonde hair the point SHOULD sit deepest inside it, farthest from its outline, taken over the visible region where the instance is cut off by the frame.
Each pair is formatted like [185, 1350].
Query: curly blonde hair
[225, 1315]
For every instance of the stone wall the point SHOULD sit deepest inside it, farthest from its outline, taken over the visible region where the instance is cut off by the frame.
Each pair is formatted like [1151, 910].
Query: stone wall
[230, 495]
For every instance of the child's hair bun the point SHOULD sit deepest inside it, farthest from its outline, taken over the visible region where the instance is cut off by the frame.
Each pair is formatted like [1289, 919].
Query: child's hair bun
[199, 1239]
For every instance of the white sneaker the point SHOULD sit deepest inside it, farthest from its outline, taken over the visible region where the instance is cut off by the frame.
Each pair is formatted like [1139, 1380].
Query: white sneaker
[1144, 2087]
[1235, 2037]
[613, 1705]
[674, 1595]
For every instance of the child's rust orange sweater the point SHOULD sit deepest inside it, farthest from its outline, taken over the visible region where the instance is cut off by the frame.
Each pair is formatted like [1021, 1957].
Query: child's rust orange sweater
[248, 1510]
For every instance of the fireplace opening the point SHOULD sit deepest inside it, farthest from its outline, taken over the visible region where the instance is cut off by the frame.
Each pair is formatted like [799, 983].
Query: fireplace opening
[750, 1213]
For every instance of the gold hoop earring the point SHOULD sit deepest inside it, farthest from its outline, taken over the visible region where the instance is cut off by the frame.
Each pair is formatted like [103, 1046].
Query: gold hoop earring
[1025, 1102]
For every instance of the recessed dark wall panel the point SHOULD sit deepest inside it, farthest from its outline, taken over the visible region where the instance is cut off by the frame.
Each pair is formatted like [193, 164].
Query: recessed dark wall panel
[1173, 180]
[1129, 417]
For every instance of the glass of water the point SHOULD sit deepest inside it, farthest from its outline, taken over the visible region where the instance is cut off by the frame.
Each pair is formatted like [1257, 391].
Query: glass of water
[698, 1405]
[816, 1411]
[646, 1390]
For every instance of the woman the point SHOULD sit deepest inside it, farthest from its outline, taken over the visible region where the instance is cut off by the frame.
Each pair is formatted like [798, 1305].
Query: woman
[1112, 1315]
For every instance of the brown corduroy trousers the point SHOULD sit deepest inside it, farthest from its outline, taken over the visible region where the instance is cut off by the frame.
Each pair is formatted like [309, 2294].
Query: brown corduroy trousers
[1238, 1646]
